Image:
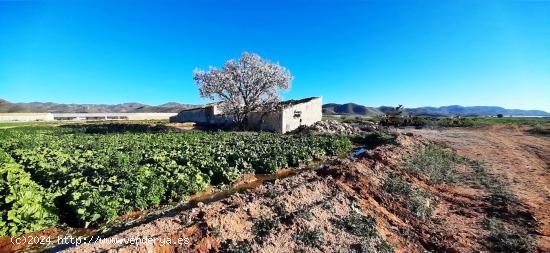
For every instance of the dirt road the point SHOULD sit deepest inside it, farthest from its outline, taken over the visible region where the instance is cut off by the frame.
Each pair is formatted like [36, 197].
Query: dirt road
[520, 159]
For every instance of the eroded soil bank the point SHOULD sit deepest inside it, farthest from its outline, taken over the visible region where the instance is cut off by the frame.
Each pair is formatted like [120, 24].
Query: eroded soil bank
[495, 199]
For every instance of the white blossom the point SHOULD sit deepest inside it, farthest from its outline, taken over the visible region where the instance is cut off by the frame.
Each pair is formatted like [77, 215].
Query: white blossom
[247, 85]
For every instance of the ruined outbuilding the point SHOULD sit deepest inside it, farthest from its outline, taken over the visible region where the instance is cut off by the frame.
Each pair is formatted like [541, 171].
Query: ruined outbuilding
[289, 116]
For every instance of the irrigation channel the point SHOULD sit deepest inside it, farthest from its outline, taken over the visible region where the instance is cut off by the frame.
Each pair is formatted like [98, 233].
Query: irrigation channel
[47, 240]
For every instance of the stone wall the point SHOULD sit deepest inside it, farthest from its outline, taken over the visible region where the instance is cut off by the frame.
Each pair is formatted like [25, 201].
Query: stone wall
[199, 115]
[206, 115]
[113, 116]
[271, 122]
[302, 114]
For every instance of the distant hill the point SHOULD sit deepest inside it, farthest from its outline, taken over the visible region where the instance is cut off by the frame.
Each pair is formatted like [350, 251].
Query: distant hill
[360, 110]
[350, 108]
[328, 109]
[473, 110]
[8, 107]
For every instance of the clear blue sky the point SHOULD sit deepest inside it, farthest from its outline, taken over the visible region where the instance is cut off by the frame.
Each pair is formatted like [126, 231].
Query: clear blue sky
[368, 52]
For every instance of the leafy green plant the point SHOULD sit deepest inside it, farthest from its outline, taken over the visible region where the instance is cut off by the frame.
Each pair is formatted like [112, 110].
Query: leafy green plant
[101, 171]
[311, 238]
[264, 226]
[25, 206]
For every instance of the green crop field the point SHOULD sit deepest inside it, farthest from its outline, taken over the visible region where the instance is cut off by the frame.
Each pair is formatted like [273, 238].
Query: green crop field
[86, 176]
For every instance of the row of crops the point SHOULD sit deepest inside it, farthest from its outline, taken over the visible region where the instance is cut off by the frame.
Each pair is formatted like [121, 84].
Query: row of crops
[75, 176]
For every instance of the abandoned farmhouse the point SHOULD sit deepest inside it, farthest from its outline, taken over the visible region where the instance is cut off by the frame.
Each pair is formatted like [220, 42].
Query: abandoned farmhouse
[291, 115]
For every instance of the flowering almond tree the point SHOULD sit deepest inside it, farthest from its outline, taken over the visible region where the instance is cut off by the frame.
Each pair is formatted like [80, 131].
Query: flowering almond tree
[248, 85]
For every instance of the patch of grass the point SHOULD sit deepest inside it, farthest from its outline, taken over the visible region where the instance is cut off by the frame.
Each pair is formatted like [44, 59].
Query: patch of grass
[358, 225]
[543, 130]
[481, 178]
[264, 226]
[280, 209]
[329, 207]
[271, 191]
[230, 246]
[310, 238]
[303, 213]
[385, 247]
[490, 223]
[216, 231]
[29, 123]
[499, 194]
[503, 240]
[436, 163]
[430, 121]
[421, 203]
[287, 217]
[487, 121]
[376, 139]
[395, 185]
[381, 247]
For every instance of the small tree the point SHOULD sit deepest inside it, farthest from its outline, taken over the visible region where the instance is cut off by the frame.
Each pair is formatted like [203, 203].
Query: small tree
[247, 85]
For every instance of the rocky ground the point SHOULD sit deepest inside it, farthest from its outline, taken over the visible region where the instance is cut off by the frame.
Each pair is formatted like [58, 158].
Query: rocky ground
[497, 199]
[336, 127]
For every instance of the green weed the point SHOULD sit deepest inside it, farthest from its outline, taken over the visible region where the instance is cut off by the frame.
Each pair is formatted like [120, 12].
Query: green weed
[358, 225]
[510, 241]
[436, 163]
[421, 203]
[264, 226]
[230, 246]
[311, 238]
[376, 138]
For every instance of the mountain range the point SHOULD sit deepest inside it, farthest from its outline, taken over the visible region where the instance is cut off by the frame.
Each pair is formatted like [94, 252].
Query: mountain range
[451, 110]
[328, 109]
[8, 107]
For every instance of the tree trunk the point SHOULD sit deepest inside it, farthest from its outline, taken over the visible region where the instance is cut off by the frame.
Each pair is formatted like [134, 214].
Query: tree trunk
[245, 122]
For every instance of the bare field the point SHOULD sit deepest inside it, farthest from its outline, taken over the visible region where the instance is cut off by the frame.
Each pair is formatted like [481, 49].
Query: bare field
[520, 159]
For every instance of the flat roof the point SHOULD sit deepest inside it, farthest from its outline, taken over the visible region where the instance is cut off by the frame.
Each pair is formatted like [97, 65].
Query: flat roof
[200, 107]
[297, 101]
[25, 114]
[107, 114]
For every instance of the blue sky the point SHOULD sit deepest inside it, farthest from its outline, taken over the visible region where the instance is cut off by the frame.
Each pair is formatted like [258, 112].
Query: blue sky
[414, 53]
